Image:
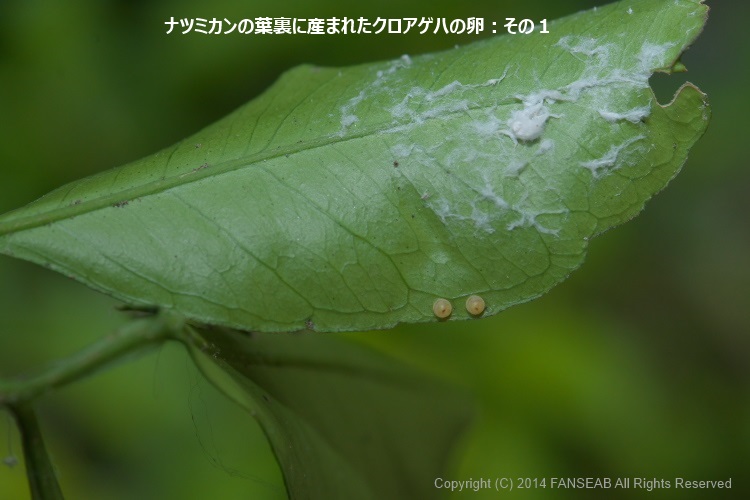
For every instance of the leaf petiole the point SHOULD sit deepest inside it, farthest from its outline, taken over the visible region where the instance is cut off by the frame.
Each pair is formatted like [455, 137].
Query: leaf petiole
[127, 340]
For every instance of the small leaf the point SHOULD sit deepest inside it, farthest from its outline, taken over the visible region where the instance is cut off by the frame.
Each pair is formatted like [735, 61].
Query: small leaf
[342, 421]
[352, 199]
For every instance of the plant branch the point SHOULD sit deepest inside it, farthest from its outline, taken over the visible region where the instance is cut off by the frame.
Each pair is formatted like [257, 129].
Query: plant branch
[130, 338]
[39, 469]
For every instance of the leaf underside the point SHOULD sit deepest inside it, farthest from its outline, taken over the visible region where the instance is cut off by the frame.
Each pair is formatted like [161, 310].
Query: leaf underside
[350, 199]
[342, 421]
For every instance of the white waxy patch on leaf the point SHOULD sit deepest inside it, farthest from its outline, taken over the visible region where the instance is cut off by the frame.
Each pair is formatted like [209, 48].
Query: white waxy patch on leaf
[528, 123]
[515, 167]
[586, 46]
[633, 115]
[545, 147]
[610, 160]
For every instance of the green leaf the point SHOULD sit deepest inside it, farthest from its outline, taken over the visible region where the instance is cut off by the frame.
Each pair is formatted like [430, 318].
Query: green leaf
[350, 199]
[342, 421]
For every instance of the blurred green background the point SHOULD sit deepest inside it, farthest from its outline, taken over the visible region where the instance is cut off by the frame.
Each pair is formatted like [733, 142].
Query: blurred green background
[636, 366]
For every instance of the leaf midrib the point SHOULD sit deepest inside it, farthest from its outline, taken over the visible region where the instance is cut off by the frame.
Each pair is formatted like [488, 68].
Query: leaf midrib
[159, 186]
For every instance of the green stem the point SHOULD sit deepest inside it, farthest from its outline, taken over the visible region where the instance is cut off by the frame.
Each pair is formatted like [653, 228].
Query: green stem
[39, 469]
[130, 338]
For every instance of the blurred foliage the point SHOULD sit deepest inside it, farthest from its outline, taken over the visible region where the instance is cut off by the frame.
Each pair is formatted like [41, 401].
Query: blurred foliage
[636, 366]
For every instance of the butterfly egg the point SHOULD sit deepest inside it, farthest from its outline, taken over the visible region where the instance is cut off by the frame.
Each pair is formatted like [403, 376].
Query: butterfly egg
[442, 308]
[475, 305]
